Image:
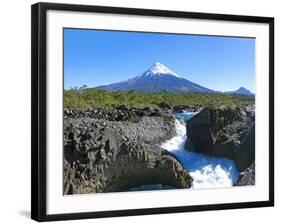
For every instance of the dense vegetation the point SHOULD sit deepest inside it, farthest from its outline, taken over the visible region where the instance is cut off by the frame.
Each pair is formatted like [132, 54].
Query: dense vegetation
[84, 98]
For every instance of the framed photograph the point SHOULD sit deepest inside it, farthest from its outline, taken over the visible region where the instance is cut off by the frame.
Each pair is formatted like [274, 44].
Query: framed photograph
[139, 111]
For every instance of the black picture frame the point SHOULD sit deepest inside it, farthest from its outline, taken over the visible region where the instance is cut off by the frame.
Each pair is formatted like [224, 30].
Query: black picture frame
[38, 108]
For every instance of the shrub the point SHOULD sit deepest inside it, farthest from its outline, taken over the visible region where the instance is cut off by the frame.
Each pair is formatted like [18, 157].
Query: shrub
[85, 98]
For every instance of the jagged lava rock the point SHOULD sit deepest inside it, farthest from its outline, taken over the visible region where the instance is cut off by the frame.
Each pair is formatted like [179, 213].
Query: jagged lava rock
[224, 132]
[111, 155]
[247, 177]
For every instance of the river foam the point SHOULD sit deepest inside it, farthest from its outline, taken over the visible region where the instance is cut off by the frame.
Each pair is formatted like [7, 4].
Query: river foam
[206, 171]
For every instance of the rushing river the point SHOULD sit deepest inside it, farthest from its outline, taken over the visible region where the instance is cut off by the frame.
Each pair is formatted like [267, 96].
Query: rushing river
[206, 171]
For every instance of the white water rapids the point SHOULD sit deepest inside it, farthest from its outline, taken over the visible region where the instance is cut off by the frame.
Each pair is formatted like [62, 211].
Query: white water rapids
[207, 172]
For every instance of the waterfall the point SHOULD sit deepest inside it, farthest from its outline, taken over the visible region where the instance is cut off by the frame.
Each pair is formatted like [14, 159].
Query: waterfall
[206, 171]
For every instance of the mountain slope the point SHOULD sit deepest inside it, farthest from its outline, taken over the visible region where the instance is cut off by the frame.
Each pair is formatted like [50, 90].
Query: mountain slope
[157, 78]
[242, 90]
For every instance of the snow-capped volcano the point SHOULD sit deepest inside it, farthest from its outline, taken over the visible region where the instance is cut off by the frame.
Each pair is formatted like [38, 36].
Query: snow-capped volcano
[159, 69]
[158, 78]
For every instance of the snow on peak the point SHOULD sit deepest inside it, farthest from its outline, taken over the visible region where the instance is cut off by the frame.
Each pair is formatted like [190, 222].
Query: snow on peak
[159, 69]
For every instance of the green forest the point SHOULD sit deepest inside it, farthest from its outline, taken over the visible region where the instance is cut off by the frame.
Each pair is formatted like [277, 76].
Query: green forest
[91, 97]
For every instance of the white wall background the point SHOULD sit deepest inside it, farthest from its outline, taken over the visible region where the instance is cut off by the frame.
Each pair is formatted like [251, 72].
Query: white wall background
[15, 109]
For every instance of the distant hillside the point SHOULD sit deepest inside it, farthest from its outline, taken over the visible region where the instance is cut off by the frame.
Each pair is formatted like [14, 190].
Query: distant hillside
[242, 90]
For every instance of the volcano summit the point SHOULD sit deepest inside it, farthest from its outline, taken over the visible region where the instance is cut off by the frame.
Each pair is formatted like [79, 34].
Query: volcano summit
[158, 78]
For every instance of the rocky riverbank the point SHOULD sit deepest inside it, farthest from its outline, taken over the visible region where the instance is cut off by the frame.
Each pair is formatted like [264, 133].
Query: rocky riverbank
[125, 113]
[225, 132]
[115, 149]
[247, 177]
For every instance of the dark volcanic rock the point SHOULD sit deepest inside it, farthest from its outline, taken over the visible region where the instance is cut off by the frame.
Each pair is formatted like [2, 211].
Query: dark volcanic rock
[118, 113]
[108, 155]
[224, 132]
[199, 131]
[247, 177]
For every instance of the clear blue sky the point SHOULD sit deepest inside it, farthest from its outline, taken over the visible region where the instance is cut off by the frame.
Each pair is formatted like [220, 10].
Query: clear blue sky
[94, 58]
